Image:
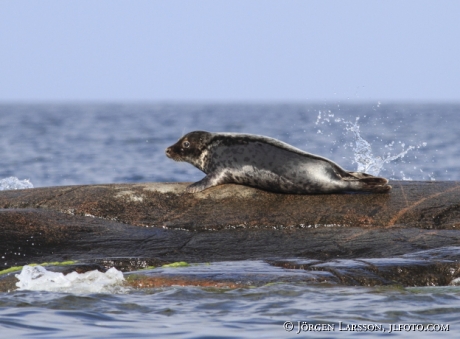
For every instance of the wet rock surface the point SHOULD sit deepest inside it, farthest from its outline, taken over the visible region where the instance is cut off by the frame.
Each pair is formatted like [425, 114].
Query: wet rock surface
[438, 267]
[424, 268]
[352, 239]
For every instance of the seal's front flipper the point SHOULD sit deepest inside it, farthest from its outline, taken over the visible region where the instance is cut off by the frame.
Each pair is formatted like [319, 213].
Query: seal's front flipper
[207, 182]
[199, 185]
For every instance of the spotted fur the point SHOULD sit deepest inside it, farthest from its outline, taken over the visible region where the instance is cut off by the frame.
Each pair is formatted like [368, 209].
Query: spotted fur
[266, 163]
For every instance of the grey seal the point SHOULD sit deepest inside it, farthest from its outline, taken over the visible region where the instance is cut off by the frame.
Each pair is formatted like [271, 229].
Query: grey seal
[266, 163]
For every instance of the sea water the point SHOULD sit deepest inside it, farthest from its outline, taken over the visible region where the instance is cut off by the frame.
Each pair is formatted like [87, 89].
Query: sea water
[64, 144]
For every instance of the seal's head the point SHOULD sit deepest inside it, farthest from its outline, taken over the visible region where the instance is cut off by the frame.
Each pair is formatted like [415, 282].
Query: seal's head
[190, 148]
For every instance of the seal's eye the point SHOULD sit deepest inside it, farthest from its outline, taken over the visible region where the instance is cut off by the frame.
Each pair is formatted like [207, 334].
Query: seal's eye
[186, 144]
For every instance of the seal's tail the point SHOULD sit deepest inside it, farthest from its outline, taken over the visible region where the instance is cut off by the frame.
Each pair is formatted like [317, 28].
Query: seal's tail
[367, 183]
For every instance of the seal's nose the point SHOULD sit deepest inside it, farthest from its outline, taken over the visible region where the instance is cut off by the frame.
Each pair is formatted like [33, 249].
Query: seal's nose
[168, 152]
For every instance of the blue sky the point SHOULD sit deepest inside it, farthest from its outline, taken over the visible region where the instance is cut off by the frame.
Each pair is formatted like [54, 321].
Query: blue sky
[230, 51]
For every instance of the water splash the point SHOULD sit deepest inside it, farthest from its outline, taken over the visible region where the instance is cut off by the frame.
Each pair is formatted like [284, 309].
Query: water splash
[323, 118]
[13, 183]
[362, 150]
[38, 278]
[363, 156]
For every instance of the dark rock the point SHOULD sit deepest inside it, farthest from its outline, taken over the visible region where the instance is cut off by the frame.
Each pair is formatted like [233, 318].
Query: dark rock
[160, 223]
[425, 268]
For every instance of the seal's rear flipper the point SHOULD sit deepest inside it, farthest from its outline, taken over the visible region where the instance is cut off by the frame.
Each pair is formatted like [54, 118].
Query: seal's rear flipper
[364, 176]
[374, 186]
[368, 183]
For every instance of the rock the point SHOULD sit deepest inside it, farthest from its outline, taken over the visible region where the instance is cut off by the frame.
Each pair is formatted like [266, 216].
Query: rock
[427, 205]
[160, 222]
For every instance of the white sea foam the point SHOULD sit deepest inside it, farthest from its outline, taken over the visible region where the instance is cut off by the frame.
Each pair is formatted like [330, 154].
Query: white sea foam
[455, 282]
[13, 183]
[38, 278]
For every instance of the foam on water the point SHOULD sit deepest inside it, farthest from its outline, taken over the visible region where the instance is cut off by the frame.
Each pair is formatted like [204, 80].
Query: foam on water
[38, 278]
[13, 183]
